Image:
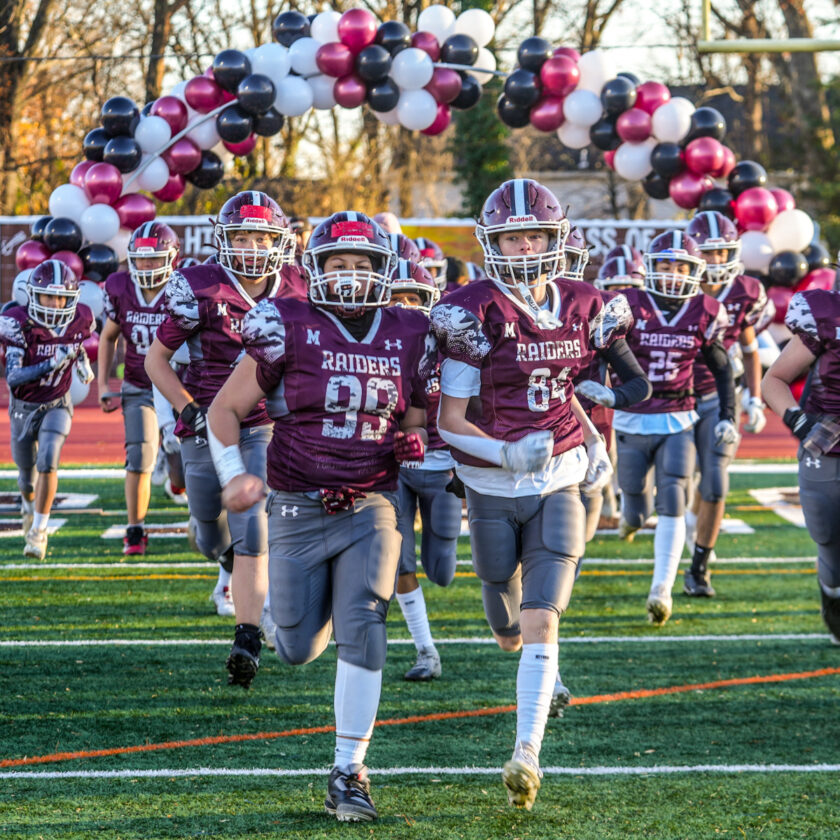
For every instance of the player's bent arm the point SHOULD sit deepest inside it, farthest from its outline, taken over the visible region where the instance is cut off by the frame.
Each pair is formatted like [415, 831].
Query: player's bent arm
[414, 422]
[794, 361]
[635, 386]
[457, 431]
[17, 374]
[752, 364]
[590, 433]
[107, 349]
[164, 378]
[717, 360]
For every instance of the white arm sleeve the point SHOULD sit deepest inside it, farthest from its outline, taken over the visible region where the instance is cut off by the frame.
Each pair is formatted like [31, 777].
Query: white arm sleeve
[458, 379]
[226, 459]
[488, 449]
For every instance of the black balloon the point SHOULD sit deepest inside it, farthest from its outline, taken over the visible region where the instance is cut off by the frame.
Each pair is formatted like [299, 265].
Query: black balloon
[269, 123]
[119, 116]
[656, 186]
[38, 227]
[124, 152]
[603, 135]
[94, 143]
[208, 173]
[815, 254]
[632, 76]
[62, 234]
[746, 174]
[459, 49]
[618, 95]
[666, 159]
[289, 26]
[511, 114]
[533, 53]
[230, 67]
[719, 200]
[522, 88]
[469, 95]
[384, 95]
[256, 93]
[146, 110]
[787, 268]
[373, 63]
[234, 124]
[706, 122]
[394, 36]
[99, 262]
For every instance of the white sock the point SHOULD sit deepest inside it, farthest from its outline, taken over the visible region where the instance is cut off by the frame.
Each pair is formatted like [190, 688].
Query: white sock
[535, 681]
[413, 606]
[224, 579]
[356, 702]
[668, 541]
[40, 521]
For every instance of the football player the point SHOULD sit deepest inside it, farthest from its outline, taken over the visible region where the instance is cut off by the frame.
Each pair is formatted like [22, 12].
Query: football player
[813, 318]
[744, 300]
[43, 343]
[619, 273]
[344, 381]
[511, 347]
[433, 260]
[404, 247]
[205, 307]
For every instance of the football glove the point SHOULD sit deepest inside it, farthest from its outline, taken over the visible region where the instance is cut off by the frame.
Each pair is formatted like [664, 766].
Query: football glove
[799, 422]
[194, 417]
[528, 454]
[83, 369]
[725, 432]
[408, 447]
[169, 442]
[63, 356]
[756, 420]
[596, 392]
[334, 501]
[600, 469]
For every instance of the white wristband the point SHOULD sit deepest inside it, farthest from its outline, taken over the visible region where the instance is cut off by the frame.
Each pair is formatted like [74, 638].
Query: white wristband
[751, 347]
[227, 459]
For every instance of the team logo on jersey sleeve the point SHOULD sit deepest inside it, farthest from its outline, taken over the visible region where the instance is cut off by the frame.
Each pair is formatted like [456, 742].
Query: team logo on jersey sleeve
[799, 318]
[263, 330]
[181, 301]
[459, 332]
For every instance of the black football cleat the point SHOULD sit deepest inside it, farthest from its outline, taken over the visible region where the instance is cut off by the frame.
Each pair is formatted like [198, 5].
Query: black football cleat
[831, 615]
[698, 585]
[348, 796]
[244, 660]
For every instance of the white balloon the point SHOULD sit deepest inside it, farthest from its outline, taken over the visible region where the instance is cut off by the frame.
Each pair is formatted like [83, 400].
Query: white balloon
[324, 27]
[294, 96]
[486, 61]
[412, 68]
[152, 134]
[573, 136]
[68, 201]
[272, 60]
[302, 55]
[672, 120]
[437, 19]
[582, 107]
[322, 91]
[20, 294]
[388, 117]
[78, 389]
[204, 134]
[595, 71]
[416, 109]
[632, 160]
[92, 296]
[477, 24]
[154, 176]
[119, 243]
[791, 230]
[99, 223]
[251, 52]
[756, 250]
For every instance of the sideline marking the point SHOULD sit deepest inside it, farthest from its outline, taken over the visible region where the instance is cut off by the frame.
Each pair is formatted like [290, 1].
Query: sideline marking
[460, 714]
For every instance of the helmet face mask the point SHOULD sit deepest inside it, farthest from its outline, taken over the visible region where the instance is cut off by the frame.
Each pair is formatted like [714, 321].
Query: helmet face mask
[152, 241]
[54, 279]
[577, 255]
[412, 278]
[619, 273]
[679, 251]
[712, 231]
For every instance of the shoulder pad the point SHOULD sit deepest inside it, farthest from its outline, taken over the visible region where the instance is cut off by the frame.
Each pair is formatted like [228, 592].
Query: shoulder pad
[612, 321]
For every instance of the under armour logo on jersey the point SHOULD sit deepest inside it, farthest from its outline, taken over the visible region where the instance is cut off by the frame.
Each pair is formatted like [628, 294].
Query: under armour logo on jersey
[812, 462]
[397, 344]
[641, 324]
[577, 326]
[510, 329]
[289, 510]
[313, 336]
[221, 309]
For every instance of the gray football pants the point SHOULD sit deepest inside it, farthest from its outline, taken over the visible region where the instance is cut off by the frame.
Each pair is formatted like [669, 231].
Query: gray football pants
[713, 458]
[38, 432]
[141, 428]
[819, 493]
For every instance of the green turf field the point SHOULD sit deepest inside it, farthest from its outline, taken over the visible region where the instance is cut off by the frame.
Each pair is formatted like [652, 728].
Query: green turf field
[132, 732]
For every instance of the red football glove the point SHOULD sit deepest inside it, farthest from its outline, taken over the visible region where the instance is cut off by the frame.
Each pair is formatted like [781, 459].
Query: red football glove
[408, 447]
[334, 501]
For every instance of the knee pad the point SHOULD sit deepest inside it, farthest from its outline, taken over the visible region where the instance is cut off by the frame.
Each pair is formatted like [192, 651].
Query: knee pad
[635, 509]
[671, 495]
[501, 605]
[714, 479]
[140, 456]
[49, 451]
[212, 536]
[297, 648]
[441, 529]
[369, 649]
[494, 549]
[439, 559]
[25, 483]
[249, 531]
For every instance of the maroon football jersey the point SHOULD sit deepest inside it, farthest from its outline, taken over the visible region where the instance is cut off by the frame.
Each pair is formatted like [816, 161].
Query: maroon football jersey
[40, 343]
[138, 322]
[432, 406]
[293, 283]
[744, 300]
[336, 402]
[527, 369]
[666, 346]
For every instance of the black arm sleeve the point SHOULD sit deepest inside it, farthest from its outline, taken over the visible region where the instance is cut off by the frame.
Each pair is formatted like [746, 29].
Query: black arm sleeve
[718, 361]
[17, 374]
[635, 386]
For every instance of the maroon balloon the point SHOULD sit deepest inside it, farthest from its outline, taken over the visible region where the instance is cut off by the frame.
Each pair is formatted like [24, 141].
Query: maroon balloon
[244, 148]
[203, 94]
[441, 122]
[560, 75]
[77, 176]
[819, 278]
[634, 126]
[350, 91]
[728, 164]
[335, 59]
[357, 28]
[172, 190]
[72, 260]
[103, 183]
[784, 200]
[173, 110]
[31, 254]
[780, 295]
[91, 345]
[609, 159]
[547, 114]
[705, 156]
[569, 52]
[650, 95]
[755, 208]
[428, 43]
[183, 156]
[134, 209]
[687, 188]
[445, 85]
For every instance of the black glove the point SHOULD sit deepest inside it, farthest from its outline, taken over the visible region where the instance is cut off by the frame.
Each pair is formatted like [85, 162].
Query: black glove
[456, 487]
[799, 422]
[195, 417]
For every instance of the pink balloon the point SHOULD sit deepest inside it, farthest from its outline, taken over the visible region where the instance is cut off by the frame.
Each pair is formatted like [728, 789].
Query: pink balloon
[103, 183]
[173, 110]
[243, 148]
[650, 95]
[819, 278]
[755, 208]
[203, 94]
[547, 114]
[560, 75]
[569, 52]
[183, 156]
[784, 199]
[357, 29]
[442, 120]
[728, 163]
[609, 159]
[91, 345]
[172, 190]
[335, 59]
[633, 126]
[77, 176]
[30, 254]
[687, 188]
[72, 260]
[704, 156]
[134, 210]
[428, 43]
[350, 91]
[780, 295]
[445, 85]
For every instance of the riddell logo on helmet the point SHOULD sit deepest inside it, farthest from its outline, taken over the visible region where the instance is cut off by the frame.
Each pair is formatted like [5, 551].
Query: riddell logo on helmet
[514, 219]
[351, 231]
[361, 239]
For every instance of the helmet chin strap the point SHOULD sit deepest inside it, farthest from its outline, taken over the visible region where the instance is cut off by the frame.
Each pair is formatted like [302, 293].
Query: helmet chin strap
[545, 320]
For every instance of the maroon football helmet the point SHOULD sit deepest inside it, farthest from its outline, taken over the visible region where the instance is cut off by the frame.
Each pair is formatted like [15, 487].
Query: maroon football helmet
[410, 277]
[712, 231]
[577, 254]
[631, 254]
[55, 278]
[474, 272]
[404, 247]
[157, 241]
[682, 279]
[433, 260]
[187, 262]
[520, 205]
[619, 273]
[253, 211]
[347, 290]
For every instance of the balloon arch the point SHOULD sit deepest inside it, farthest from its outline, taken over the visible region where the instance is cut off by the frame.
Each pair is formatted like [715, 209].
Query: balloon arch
[413, 79]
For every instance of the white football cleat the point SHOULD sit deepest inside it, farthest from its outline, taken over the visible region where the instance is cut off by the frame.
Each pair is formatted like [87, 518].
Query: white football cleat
[426, 667]
[36, 544]
[659, 605]
[521, 776]
[178, 498]
[560, 698]
[161, 471]
[268, 627]
[223, 600]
